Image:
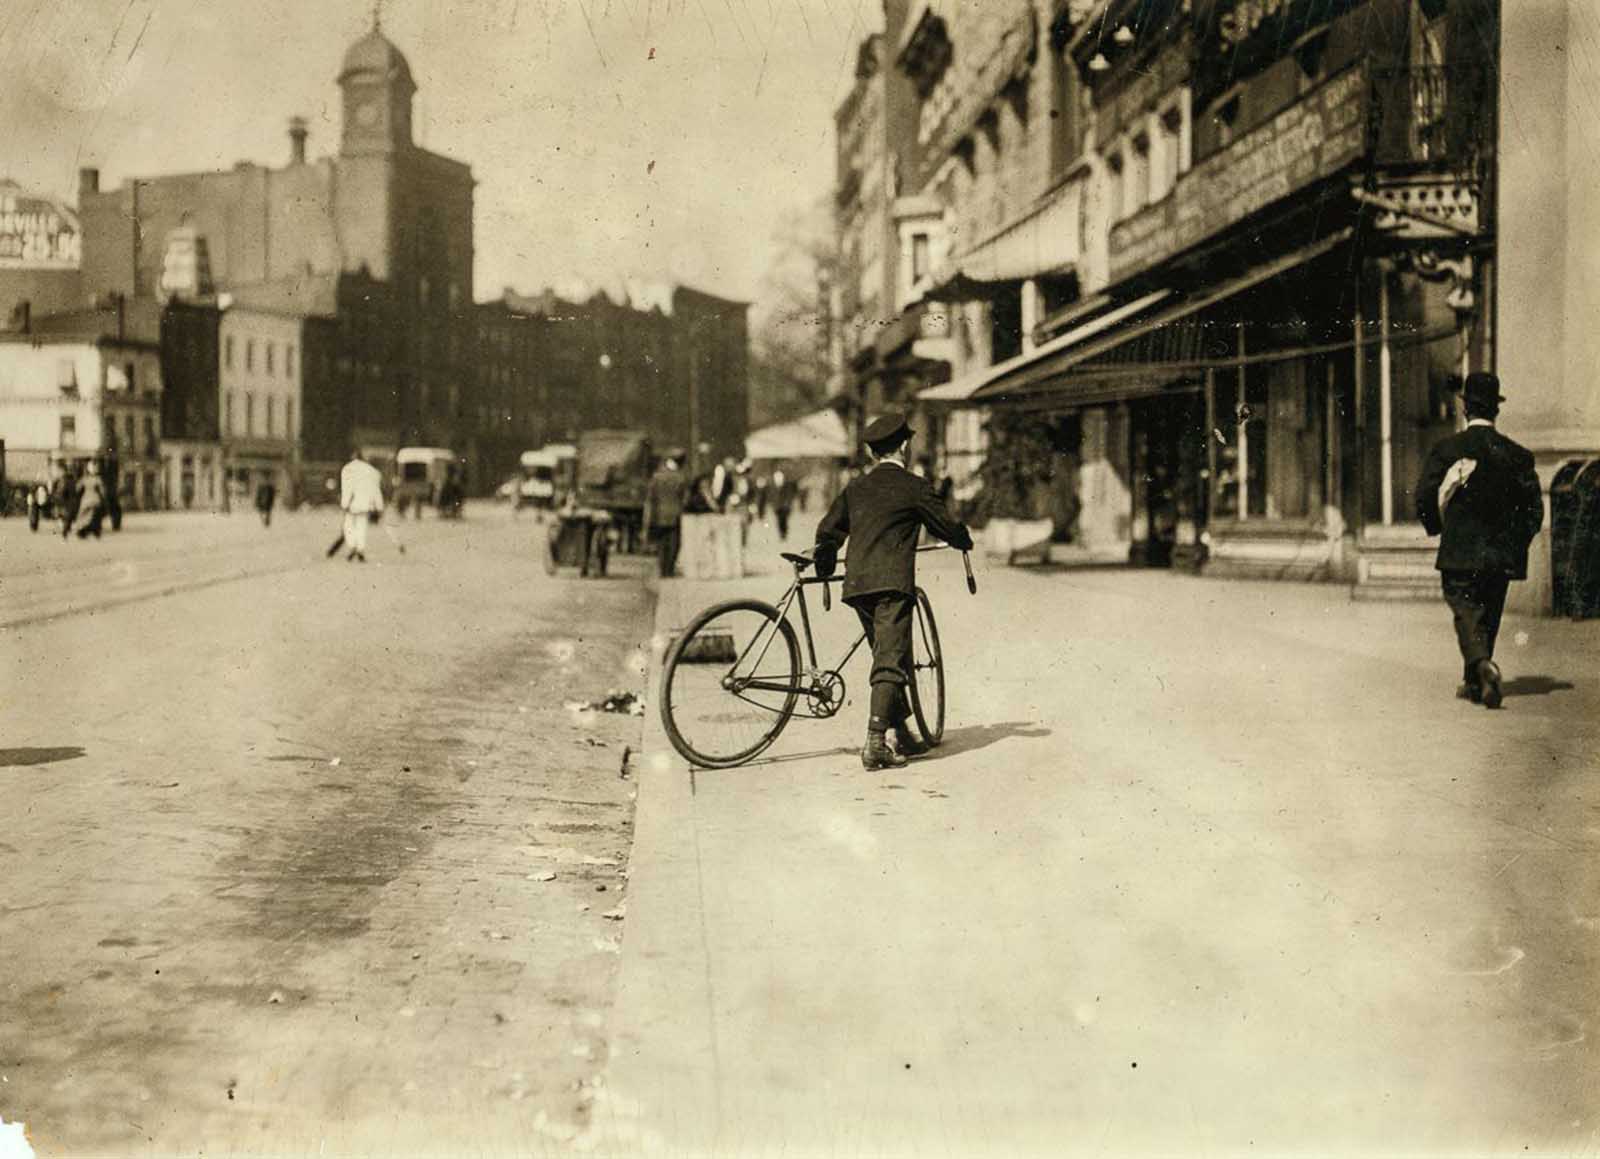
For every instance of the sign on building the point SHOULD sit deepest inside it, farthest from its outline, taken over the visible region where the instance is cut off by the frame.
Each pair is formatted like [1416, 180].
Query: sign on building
[36, 233]
[1312, 139]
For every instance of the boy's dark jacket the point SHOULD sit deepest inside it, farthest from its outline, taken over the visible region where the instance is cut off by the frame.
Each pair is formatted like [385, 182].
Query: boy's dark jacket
[880, 513]
[1494, 516]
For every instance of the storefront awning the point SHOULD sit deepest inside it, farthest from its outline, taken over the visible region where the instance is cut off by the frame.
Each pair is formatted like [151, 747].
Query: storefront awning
[820, 435]
[1041, 243]
[1047, 368]
[963, 389]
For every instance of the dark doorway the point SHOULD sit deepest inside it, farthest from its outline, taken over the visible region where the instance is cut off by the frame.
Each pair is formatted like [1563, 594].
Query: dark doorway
[1169, 494]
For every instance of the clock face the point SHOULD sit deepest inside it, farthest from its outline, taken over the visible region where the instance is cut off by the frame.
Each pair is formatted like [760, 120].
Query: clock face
[367, 113]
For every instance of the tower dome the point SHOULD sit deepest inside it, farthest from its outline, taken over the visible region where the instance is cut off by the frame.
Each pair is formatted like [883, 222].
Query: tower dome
[375, 56]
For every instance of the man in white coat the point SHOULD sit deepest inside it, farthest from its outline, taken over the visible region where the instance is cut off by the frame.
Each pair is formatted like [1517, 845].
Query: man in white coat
[361, 497]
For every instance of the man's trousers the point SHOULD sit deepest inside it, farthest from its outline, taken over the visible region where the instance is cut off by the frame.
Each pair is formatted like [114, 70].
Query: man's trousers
[1477, 600]
[355, 530]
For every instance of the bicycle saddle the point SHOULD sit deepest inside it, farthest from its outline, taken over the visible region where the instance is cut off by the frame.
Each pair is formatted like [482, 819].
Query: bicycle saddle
[796, 559]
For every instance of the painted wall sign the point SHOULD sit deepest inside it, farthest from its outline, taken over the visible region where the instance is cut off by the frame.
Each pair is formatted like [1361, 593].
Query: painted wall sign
[36, 233]
[1310, 140]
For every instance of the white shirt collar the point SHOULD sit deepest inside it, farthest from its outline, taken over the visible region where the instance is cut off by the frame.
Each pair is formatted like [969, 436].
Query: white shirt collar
[1480, 422]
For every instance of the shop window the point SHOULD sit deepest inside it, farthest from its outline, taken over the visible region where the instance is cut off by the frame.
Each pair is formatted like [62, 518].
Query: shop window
[1255, 435]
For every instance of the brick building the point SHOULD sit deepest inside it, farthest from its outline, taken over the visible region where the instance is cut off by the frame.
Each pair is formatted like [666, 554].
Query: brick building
[382, 232]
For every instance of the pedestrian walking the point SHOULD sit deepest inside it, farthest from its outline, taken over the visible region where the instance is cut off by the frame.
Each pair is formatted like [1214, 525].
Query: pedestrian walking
[785, 492]
[361, 500]
[663, 512]
[881, 514]
[1480, 494]
[266, 496]
[64, 498]
[91, 501]
[38, 500]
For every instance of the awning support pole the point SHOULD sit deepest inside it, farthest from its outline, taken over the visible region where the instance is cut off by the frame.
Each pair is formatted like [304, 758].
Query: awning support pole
[1211, 445]
[1241, 409]
[1385, 397]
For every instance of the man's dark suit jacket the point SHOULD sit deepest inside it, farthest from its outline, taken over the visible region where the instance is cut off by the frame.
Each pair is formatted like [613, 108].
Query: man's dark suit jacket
[881, 513]
[1491, 520]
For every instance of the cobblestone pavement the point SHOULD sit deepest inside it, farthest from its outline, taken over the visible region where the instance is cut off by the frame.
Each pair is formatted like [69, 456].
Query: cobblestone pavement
[313, 860]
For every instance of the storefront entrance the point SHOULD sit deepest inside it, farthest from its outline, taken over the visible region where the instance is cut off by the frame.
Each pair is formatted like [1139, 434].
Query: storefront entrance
[1169, 492]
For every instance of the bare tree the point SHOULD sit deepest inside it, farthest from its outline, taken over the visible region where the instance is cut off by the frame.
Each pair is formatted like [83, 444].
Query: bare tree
[790, 324]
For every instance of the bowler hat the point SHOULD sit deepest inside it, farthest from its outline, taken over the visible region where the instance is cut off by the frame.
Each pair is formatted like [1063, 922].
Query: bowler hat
[886, 432]
[1482, 387]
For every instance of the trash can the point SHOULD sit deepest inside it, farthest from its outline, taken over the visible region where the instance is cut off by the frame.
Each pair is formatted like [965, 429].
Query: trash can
[1575, 539]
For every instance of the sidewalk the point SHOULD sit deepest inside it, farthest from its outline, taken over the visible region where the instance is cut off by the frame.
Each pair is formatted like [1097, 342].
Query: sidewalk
[1202, 867]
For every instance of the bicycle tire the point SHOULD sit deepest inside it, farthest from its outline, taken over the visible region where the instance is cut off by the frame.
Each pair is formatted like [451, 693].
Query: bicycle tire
[685, 645]
[926, 657]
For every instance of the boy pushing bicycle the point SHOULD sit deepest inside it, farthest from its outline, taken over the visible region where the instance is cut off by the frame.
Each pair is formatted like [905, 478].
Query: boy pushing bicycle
[881, 513]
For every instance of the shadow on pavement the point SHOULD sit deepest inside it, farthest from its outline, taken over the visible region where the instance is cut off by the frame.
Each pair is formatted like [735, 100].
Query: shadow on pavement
[1535, 686]
[841, 750]
[14, 758]
[981, 736]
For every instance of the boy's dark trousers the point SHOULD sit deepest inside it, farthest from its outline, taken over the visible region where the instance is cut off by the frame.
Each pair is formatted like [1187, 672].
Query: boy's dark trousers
[669, 538]
[886, 617]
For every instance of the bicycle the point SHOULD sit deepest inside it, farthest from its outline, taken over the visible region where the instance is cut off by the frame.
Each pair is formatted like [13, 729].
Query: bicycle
[733, 679]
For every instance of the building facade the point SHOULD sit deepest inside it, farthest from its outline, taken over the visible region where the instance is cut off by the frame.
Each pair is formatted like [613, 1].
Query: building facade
[81, 386]
[1258, 248]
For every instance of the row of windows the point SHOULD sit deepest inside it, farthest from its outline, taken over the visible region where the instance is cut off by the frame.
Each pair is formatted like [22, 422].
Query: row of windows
[1144, 165]
[241, 419]
[270, 350]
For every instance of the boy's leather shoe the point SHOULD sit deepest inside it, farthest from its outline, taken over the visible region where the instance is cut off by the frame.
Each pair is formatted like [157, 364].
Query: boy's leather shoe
[907, 743]
[876, 754]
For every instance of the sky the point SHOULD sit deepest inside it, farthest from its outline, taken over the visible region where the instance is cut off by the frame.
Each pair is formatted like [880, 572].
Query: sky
[609, 138]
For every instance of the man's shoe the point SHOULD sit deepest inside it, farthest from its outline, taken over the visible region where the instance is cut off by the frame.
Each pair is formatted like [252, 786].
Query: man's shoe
[876, 754]
[907, 744]
[1470, 690]
[1489, 678]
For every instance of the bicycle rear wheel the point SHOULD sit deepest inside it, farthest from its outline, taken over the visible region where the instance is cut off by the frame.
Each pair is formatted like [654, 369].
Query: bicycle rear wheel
[927, 671]
[730, 683]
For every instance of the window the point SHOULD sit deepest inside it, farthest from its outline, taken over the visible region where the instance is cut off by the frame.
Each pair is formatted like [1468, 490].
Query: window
[67, 376]
[1114, 176]
[69, 430]
[128, 423]
[151, 447]
[271, 351]
[288, 418]
[1168, 161]
[249, 413]
[919, 257]
[288, 360]
[1136, 175]
[272, 415]
[227, 423]
[127, 374]
[227, 352]
[250, 354]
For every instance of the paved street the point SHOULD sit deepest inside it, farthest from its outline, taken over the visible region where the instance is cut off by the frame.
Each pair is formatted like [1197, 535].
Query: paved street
[304, 856]
[1203, 867]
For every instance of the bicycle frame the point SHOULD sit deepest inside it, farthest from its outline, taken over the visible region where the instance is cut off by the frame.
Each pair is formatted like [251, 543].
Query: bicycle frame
[795, 595]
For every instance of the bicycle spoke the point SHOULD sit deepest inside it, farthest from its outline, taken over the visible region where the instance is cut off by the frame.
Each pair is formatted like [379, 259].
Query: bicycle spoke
[712, 714]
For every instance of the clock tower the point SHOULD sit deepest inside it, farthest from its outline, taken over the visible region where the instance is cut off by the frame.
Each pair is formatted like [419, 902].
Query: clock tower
[377, 87]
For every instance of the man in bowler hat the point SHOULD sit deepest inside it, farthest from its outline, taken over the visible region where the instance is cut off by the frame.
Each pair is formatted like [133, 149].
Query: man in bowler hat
[1479, 493]
[881, 513]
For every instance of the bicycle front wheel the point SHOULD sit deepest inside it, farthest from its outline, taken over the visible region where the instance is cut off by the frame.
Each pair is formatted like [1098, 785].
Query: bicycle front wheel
[730, 683]
[927, 671]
